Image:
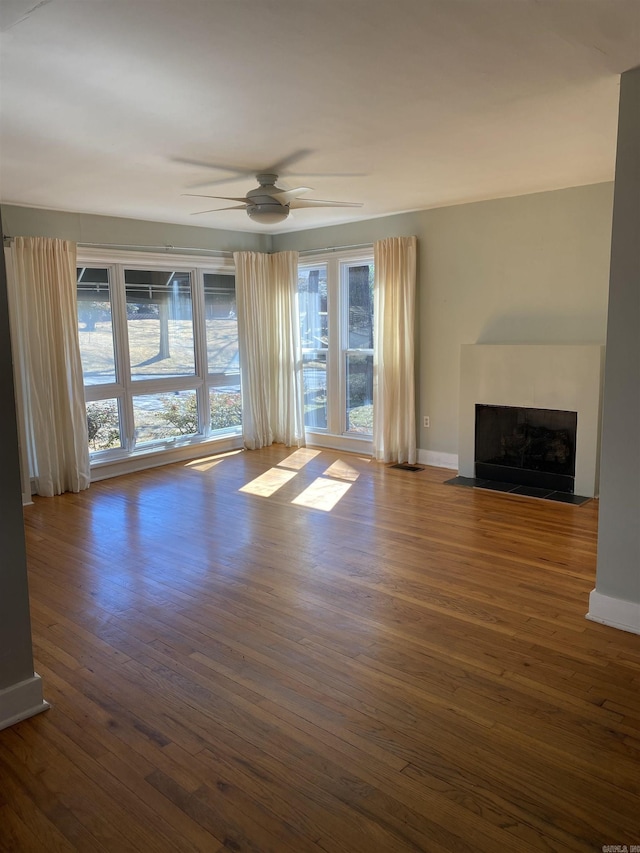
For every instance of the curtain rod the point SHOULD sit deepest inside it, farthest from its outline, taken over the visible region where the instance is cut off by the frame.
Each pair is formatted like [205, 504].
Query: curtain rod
[165, 248]
[219, 252]
[336, 248]
[228, 254]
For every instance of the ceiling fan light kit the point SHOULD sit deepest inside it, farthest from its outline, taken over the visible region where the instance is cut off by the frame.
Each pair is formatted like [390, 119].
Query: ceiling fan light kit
[267, 214]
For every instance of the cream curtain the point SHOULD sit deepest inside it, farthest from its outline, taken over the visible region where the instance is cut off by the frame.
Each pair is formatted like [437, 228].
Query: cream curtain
[394, 420]
[270, 353]
[43, 302]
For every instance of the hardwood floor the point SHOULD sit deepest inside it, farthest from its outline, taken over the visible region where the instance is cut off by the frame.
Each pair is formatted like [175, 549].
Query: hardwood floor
[233, 667]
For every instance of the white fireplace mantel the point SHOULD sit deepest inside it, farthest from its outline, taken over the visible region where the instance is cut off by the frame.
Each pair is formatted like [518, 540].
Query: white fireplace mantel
[538, 376]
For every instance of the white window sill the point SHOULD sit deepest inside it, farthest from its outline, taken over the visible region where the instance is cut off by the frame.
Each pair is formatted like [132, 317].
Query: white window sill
[152, 457]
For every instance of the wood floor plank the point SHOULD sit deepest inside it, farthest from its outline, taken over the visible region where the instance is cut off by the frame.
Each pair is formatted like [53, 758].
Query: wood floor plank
[16, 834]
[410, 670]
[66, 813]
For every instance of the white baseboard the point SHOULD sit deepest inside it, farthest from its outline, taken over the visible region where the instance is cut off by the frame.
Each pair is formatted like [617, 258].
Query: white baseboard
[437, 459]
[342, 443]
[615, 612]
[21, 701]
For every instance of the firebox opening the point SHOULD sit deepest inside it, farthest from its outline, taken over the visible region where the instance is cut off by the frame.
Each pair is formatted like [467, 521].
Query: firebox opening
[530, 447]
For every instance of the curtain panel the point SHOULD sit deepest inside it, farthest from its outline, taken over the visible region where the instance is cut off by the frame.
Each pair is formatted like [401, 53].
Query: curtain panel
[270, 352]
[394, 418]
[48, 366]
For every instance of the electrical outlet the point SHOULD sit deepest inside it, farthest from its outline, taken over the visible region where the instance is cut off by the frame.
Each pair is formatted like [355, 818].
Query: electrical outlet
[426, 422]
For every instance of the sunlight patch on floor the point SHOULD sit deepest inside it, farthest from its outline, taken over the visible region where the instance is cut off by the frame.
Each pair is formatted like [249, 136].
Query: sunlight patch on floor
[210, 461]
[342, 471]
[268, 483]
[322, 494]
[299, 458]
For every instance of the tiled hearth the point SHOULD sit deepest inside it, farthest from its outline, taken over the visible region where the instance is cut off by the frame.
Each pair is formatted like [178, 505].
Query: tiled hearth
[512, 489]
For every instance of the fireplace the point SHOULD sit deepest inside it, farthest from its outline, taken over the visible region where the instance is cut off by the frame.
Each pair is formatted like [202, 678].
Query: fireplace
[549, 377]
[525, 446]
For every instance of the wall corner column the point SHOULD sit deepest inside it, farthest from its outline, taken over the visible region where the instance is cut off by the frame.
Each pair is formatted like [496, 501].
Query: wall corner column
[615, 600]
[20, 686]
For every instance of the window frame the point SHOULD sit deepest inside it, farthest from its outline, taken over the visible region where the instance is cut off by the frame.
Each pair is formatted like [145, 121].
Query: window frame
[337, 264]
[126, 388]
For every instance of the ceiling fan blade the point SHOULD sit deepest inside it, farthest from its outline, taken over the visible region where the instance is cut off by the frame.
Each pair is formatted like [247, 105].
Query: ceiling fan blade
[318, 202]
[216, 209]
[221, 197]
[224, 167]
[328, 175]
[236, 171]
[230, 179]
[283, 164]
[285, 196]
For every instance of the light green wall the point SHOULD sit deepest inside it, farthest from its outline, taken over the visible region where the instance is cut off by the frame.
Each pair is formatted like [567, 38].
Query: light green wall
[531, 269]
[85, 228]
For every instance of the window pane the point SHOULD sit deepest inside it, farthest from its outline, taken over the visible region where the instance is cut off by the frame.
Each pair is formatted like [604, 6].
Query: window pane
[225, 408]
[160, 323]
[103, 424]
[222, 327]
[161, 416]
[95, 326]
[312, 296]
[314, 371]
[360, 290]
[360, 393]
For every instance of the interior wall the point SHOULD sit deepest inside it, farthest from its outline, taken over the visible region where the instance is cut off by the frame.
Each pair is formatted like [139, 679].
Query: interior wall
[110, 230]
[532, 269]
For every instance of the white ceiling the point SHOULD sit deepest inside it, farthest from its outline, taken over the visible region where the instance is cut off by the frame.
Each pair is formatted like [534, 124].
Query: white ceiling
[428, 102]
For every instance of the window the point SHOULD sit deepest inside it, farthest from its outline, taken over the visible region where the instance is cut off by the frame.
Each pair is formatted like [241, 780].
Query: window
[358, 355]
[97, 351]
[223, 364]
[159, 323]
[336, 327]
[95, 324]
[314, 337]
[159, 349]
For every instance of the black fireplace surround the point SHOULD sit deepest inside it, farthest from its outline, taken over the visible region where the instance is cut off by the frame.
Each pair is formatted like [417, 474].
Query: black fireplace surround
[529, 447]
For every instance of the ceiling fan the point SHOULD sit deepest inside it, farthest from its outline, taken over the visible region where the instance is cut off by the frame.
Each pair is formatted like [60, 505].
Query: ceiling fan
[268, 203]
